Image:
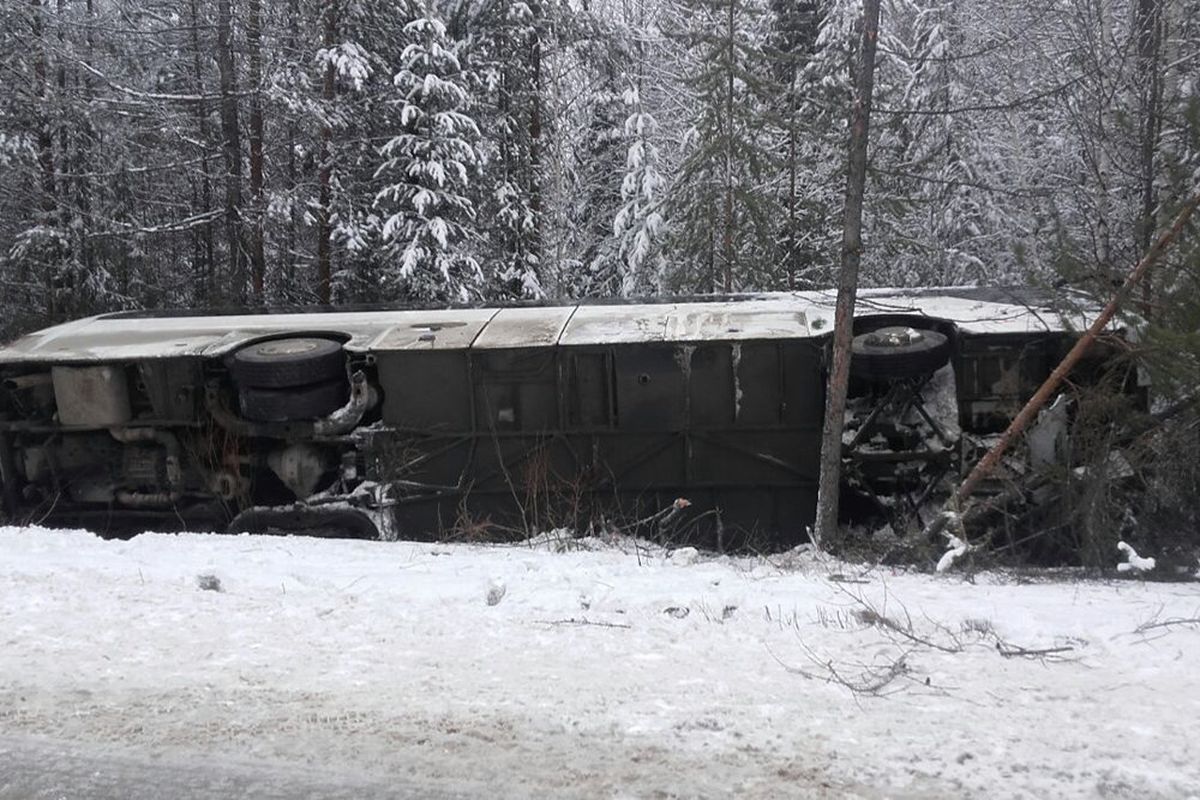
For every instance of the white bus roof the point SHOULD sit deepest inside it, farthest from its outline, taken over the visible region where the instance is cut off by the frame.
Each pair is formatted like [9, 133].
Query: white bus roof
[780, 315]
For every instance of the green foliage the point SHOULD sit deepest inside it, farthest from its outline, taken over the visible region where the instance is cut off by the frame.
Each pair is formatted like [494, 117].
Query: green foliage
[723, 221]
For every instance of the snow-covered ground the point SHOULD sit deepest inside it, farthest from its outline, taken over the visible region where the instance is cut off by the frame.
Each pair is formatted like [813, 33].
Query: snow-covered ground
[607, 672]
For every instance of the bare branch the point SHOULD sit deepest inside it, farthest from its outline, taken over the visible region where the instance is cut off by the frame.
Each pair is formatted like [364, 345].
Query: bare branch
[869, 615]
[1166, 623]
[159, 96]
[170, 227]
[584, 621]
[1015, 651]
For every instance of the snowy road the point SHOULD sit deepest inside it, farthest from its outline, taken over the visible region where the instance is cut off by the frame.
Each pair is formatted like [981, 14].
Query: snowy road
[38, 769]
[383, 670]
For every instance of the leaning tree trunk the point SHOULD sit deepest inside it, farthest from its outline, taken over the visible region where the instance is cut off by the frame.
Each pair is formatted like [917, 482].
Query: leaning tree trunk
[1029, 412]
[839, 370]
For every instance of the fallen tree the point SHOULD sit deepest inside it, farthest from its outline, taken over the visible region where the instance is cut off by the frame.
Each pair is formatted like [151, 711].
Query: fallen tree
[954, 506]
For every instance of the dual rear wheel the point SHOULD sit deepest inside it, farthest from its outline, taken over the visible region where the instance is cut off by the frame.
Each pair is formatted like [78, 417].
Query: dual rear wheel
[284, 380]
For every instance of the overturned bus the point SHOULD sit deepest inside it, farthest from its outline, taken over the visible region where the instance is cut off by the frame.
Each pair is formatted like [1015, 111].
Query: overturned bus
[699, 419]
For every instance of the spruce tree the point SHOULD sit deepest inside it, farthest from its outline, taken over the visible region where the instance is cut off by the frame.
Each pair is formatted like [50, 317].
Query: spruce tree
[430, 164]
[505, 54]
[638, 226]
[722, 213]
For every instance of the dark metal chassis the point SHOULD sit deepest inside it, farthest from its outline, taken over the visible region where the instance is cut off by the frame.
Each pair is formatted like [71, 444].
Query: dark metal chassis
[485, 443]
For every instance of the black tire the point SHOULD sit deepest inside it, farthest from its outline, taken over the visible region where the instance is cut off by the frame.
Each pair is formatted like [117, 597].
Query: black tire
[284, 363]
[346, 523]
[897, 352]
[298, 403]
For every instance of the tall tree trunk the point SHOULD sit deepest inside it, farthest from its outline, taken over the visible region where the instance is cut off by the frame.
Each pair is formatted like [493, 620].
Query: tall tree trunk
[727, 228]
[48, 203]
[325, 168]
[232, 146]
[61, 80]
[1149, 30]
[535, 130]
[511, 239]
[289, 247]
[711, 253]
[64, 280]
[254, 44]
[839, 370]
[86, 147]
[202, 270]
[790, 240]
[45, 140]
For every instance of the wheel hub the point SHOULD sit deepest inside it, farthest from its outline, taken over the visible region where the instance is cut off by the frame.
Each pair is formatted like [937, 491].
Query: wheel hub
[894, 336]
[287, 347]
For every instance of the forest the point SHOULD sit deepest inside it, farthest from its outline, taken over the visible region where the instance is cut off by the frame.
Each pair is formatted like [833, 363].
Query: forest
[208, 153]
[193, 154]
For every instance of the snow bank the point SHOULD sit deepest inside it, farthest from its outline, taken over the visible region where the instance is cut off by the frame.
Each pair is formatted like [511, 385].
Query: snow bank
[596, 673]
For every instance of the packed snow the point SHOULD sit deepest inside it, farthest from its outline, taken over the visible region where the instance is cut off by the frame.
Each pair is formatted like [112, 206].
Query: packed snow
[1133, 562]
[592, 669]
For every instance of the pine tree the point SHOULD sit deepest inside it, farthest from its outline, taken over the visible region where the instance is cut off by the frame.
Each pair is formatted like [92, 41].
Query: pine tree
[927, 215]
[504, 61]
[584, 188]
[355, 110]
[806, 232]
[638, 226]
[722, 219]
[818, 125]
[431, 161]
[1012, 142]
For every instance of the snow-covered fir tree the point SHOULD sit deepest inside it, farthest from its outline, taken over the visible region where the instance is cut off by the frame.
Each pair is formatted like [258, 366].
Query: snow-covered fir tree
[808, 154]
[505, 63]
[638, 226]
[430, 164]
[926, 214]
[723, 222]
[1016, 141]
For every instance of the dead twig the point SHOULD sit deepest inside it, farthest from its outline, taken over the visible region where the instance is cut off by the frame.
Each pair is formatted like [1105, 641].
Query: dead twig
[663, 517]
[1166, 623]
[837, 577]
[812, 676]
[872, 679]
[906, 632]
[584, 621]
[1015, 651]
[869, 615]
